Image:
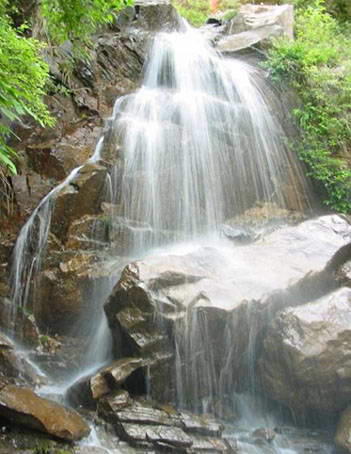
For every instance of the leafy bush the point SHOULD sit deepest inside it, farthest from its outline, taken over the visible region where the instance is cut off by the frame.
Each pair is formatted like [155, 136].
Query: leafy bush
[318, 65]
[23, 75]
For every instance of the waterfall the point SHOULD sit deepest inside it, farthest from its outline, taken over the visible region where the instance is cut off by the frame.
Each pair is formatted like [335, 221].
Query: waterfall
[200, 142]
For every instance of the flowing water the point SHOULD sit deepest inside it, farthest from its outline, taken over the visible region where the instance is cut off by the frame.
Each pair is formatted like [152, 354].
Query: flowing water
[200, 144]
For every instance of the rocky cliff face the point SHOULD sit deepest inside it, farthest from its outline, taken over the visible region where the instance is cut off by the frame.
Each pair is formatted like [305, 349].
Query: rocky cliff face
[263, 308]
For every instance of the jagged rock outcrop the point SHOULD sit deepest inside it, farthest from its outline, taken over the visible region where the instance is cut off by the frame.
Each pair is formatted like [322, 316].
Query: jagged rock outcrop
[212, 305]
[22, 406]
[256, 25]
[305, 362]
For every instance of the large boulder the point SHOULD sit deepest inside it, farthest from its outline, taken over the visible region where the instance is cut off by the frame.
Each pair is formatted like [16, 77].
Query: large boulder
[305, 362]
[255, 25]
[23, 407]
[199, 313]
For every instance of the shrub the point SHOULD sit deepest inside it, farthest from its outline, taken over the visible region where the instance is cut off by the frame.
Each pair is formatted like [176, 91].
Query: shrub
[318, 65]
[23, 75]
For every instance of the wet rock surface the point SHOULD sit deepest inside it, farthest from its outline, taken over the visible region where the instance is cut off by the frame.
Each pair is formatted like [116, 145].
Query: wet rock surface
[159, 300]
[221, 297]
[22, 406]
[306, 355]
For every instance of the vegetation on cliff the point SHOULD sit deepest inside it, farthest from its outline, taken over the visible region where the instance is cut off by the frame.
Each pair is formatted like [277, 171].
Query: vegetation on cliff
[197, 11]
[24, 75]
[318, 65]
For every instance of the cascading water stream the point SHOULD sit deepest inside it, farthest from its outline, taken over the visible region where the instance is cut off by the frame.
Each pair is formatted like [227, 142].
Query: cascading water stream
[28, 253]
[200, 143]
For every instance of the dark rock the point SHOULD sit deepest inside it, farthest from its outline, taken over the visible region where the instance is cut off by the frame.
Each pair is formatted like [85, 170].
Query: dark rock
[305, 362]
[22, 406]
[83, 196]
[157, 17]
[66, 283]
[60, 297]
[89, 389]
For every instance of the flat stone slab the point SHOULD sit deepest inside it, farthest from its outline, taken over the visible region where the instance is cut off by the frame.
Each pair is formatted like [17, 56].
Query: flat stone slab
[143, 414]
[156, 434]
[200, 425]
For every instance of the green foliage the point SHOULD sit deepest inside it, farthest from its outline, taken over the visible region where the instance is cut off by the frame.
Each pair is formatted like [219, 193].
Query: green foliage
[197, 11]
[23, 75]
[24, 78]
[318, 65]
[77, 20]
[341, 9]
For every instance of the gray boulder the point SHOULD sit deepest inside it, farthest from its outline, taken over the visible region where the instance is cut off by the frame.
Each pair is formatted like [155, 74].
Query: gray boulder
[200, 314]
[255, 25]
[305, 362]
